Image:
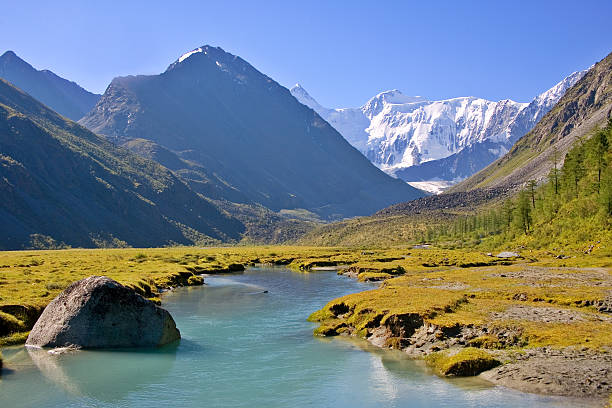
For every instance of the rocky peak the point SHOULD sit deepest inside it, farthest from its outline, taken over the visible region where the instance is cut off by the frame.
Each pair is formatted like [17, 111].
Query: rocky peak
[375, 105]
[304, 97]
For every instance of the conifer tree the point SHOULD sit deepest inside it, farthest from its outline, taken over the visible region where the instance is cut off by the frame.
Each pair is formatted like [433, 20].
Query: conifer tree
[600, 144]
[531, 186]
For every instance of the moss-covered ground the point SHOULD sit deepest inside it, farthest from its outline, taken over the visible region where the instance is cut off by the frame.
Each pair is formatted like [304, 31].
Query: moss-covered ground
[541, 300]
[466, 362]
[447, 289]
[29, 280]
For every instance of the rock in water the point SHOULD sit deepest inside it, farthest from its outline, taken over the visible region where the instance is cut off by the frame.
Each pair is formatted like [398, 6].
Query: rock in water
[98, 312]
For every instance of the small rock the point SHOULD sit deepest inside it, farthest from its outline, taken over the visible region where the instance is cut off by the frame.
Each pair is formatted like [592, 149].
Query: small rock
[508, 254]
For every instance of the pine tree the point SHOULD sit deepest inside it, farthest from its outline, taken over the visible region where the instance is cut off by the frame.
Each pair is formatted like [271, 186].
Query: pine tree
[523, 212]
[554, 172]
[600, 144]
[531, 186]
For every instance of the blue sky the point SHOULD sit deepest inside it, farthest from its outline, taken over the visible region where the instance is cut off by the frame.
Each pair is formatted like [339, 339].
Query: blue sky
[342, 52]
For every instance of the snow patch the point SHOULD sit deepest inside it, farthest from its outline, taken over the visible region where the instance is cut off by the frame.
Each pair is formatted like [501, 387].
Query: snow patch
[189, 54]
[434, 187]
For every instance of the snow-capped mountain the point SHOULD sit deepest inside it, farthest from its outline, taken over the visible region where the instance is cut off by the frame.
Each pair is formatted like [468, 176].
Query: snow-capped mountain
[211, 109]
[398, 132]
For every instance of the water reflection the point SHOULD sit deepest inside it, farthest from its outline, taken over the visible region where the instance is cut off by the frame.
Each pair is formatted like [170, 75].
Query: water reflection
[108, 375]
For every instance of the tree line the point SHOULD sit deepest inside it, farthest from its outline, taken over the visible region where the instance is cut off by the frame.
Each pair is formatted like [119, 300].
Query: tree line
[573, 204]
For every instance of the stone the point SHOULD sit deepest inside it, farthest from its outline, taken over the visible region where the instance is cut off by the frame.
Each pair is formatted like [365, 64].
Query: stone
[98, 312]
[508, 254]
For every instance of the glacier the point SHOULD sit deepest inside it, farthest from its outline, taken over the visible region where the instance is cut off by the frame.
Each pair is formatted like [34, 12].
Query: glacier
[420, 140]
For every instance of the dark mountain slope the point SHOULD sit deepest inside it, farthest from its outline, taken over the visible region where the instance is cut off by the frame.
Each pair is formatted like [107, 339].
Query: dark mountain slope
[245, 131]
[64, 182]
[200, 179]
[65, 97]
[585, 105]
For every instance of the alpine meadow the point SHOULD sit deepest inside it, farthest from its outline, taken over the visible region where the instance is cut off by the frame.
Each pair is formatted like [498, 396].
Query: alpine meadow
[181, 225]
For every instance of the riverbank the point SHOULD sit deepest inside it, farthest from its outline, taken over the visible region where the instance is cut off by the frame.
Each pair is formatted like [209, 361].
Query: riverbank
[534, 314]
[540, 323]
[29, 280]
[231, 329]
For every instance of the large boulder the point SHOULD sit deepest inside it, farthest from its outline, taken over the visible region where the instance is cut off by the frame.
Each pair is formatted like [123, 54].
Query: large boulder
[98, 312]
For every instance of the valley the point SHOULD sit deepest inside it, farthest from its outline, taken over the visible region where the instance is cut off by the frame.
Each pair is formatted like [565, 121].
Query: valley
[446, 251]
[515, 311]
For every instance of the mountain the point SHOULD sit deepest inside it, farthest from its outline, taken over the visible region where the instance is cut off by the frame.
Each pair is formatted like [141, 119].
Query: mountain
[583, 108]
[61, 95]
[416, 139]
[63, 185]
[586, 105]
[241, 134]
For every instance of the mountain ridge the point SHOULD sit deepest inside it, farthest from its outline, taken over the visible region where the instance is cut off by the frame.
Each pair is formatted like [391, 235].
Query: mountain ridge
[586, 105]
[63, 185]
[409, 137]
[64, 96]
[218, 112]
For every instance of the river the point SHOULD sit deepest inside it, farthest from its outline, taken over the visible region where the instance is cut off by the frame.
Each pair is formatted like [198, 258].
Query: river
[242, 347]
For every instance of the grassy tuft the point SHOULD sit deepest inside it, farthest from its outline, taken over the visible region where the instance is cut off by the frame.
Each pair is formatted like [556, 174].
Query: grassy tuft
[13, 339]
[467, 362]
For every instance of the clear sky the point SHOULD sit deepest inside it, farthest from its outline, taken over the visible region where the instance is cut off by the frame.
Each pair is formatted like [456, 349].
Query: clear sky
[342, 52]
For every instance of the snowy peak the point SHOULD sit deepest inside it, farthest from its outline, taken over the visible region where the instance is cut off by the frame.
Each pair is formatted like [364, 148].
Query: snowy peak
[205, 50]
[393, 97]
[540, 105]
[305, 99]
[204, 60]
[189, 54]
[552, 96]
[396, 131]
[210, 54]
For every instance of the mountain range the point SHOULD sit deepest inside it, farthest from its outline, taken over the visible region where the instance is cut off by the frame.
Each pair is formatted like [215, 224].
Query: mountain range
[416, 139]
[585, 106]
[235, 134]
[63, 96]
[64, 185]
[582, 109]
[212, 150]
[209, 151]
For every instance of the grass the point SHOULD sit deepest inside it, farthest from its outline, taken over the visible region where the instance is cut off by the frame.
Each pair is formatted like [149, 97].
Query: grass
[468, 361]
[29, 280]
[446, 289]
[371, 232]
[439, 289]
[15, 338]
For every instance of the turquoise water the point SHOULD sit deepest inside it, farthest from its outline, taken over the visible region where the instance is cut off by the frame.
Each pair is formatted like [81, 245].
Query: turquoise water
[245, 348]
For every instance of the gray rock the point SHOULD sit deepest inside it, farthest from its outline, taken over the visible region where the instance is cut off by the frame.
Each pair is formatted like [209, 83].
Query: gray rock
[508, 254]
[605, 305]
[98, 312]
